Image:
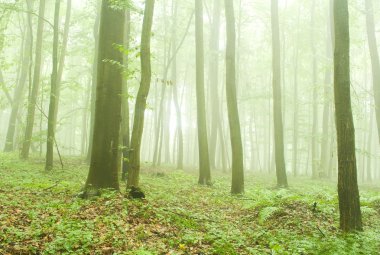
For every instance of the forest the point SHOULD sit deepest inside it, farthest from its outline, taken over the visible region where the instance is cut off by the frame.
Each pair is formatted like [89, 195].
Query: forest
[169, 127]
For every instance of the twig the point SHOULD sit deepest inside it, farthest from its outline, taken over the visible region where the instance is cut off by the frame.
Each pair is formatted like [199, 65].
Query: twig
[55, 185]
[323, 234]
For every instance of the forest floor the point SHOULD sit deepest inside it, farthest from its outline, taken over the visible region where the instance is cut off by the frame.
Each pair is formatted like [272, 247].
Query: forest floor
[40, 214]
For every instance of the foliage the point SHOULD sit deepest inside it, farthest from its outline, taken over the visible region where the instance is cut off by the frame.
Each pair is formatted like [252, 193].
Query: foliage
[39, 213]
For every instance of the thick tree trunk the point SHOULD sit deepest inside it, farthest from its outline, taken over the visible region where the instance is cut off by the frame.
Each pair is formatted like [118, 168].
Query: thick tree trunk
[204, 160]
[349, 202]
[36, 83]
[142, 95]
[277, 105]
[104, 157]
[237, 186]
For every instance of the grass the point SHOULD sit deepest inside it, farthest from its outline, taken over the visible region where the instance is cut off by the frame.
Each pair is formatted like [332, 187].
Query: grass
[40, 214]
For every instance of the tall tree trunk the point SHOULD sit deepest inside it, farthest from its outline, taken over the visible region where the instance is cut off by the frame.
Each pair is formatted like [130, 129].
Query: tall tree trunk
[175, 91]
[103, 171]
[20, 88]
[372, 44]
[314, 149]
[295, 102]
[62, 57]
[348, 192]
[214, 71]
[204, 160]
[237, 185]
[36, 83]
[142, 95]
[53, 92]
[277, 105]
[327, 92]
[125, 133]
[94, 78]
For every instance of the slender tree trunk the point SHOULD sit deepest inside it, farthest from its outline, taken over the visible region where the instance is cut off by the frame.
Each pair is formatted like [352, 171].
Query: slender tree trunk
[214, 70]
[237, 186]
[62, 57]
[372, 44]
[295, 102]
[314, 149]
[277, 105]
[94, 79]
[125, 132]
[142, 95]
[104, 165]
[204, 160]
[175, 91]
[20, 88]
[53, 92]
[348, 192]
[327, 93]
[36, 83]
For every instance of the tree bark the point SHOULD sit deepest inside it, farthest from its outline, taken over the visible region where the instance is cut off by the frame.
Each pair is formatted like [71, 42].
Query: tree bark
[348, 192]
[103, 171]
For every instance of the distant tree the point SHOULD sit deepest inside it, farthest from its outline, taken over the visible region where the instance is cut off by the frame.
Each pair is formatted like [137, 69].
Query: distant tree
[237, 186]
[204, 161]
[214, 81]
[103, 171]
[314, 149]
[35, 84]
[372, 44]
[53, 91]
[277, 105]
[349, 202]
[142, 95]
[19, 90]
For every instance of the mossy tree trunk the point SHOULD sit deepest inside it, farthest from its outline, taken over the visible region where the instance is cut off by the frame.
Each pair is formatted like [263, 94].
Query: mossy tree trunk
[103, 171]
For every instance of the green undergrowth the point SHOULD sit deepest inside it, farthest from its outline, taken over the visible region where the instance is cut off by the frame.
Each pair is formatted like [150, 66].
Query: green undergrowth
[40, 214]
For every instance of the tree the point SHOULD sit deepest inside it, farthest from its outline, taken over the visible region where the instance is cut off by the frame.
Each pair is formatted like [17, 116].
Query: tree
[53, 92]
[348, 192]
[372, 45]
[36, 83]
[237, 186]
[124, 103]
[204, 161]
[314, 161]
[142, 95]
[277, 105]
[21, 84]
[213, 77]
[104, 164]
